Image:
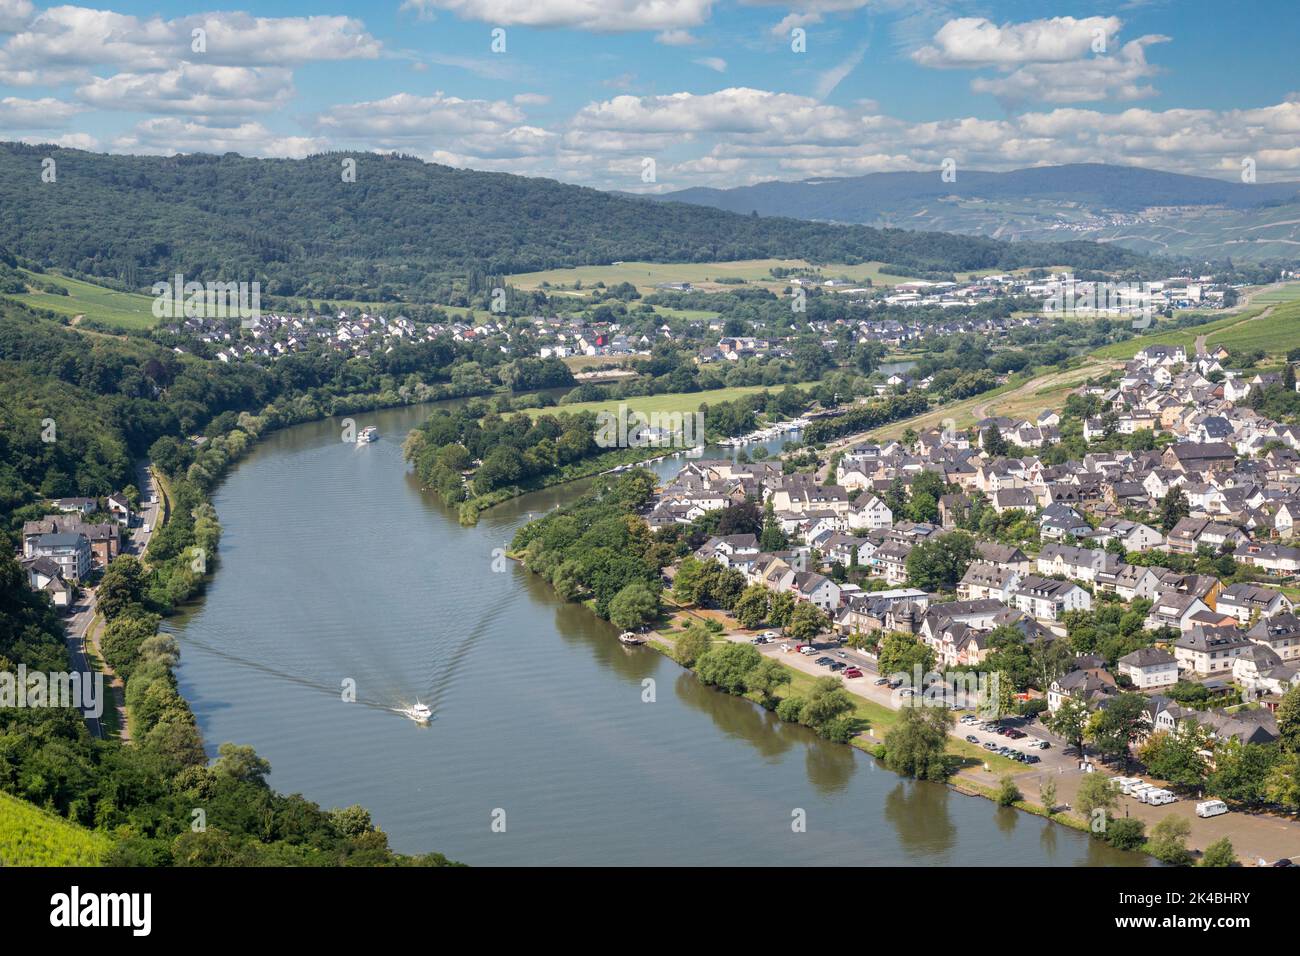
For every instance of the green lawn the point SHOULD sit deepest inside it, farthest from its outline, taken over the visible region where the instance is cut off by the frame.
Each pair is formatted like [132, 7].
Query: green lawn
[881, 720]
[128, 310]
[30, 836]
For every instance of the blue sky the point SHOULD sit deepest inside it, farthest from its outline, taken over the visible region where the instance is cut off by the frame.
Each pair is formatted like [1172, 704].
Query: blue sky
[589, 91]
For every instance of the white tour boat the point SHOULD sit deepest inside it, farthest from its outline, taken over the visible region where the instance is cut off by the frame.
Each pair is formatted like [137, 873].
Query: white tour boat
[418, 712]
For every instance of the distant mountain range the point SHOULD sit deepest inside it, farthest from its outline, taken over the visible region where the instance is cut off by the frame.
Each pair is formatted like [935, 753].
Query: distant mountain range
[1146, 210]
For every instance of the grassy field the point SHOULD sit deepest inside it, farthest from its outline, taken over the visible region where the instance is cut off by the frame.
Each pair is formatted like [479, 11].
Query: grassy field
[128, 310]
[1276, 334]
[29, 836]
[683, 402]
[1288, 292]
[703, 275]
[689, 315]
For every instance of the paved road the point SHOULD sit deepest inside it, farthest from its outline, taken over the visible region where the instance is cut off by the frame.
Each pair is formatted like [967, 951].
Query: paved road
[75, 635]
[150, 508]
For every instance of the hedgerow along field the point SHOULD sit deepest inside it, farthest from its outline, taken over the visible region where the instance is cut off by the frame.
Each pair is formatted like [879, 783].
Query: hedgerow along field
[30, 836]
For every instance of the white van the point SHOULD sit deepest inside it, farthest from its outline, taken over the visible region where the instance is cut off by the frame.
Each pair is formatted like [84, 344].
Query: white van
[1211, 808]
[1158, 798]
[1139, 791]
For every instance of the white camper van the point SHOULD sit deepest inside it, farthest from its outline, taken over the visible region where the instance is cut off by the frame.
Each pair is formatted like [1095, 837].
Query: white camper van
[1211, 808]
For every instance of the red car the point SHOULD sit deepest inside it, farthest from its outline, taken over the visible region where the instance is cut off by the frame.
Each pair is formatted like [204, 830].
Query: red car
[852, 672]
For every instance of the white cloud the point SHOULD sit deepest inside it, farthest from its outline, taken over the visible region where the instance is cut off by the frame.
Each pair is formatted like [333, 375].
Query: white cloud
[15, 14]
[45, 113]
[66, 37]
[530, 99]
[600, 16]
[975, 41]
[715, 63]
[1120, 76]
[66, 140]
[170, 135]
[193, 88]
[469, 130]
[244, 39]
[676, 38]
[767, 135]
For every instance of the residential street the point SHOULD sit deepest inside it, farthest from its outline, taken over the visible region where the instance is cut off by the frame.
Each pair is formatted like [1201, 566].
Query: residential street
[82, 625]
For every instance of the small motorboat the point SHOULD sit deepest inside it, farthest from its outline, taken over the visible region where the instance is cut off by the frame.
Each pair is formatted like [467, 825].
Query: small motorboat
[418, 712]
[368, 434]
[630, 639]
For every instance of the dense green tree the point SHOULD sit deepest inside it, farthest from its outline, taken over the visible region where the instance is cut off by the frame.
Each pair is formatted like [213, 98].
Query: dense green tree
[728, 666]
[692, 644]
[1173, 508]
[1219, 853]
[767, 678]
[938, 563]
[916, 745]
[807, 622]
[902, 653]
[1168, 840]
[635, 605]
[752, 606]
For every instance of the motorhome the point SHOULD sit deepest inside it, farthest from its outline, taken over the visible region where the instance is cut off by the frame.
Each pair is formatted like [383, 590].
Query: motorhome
[1211, 808]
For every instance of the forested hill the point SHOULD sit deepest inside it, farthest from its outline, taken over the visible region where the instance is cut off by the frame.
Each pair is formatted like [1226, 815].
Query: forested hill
[405, 226]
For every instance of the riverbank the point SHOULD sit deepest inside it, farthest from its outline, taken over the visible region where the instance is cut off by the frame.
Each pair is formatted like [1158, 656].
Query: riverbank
[1253, 836]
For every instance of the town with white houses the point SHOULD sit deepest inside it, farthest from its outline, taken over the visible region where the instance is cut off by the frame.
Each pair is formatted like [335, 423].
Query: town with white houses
[362, 332]
[1185, 524]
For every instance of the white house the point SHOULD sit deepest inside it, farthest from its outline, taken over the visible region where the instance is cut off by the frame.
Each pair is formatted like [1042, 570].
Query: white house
[1149, 667]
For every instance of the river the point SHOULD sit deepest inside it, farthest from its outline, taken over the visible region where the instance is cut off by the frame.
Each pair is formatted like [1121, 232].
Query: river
[335, 567]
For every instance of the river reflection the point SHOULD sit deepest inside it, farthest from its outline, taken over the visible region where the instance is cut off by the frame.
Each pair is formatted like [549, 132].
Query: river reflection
[336, 566]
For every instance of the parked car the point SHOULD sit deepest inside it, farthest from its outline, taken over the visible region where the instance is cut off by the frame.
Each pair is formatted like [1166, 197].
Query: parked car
[838, 665]
[990, 745]
[881, 680]
[759, 640]
[769, 635]
[807, 649]
[1032, 758]
[852, 672]
[971, 738]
